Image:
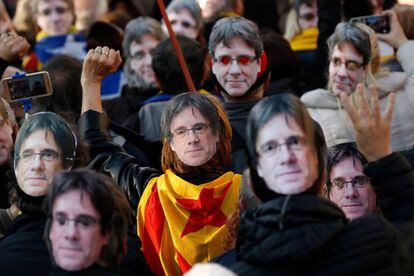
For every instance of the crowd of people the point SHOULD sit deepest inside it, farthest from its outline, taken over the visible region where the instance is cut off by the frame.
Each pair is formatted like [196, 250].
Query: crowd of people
[288, 149]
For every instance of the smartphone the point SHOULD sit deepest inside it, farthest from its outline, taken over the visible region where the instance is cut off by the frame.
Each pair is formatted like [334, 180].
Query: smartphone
[27, 87]
[379, 23]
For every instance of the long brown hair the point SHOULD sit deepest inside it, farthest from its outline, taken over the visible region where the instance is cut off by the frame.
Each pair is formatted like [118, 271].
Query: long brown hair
[212, 110]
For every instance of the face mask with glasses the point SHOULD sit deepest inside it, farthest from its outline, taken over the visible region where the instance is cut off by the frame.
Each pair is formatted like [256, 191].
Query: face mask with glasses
[242, 60]
[47, 155]
[350, 65]
[357, 182]
[197, 129]
[84, 222]
[295, 143]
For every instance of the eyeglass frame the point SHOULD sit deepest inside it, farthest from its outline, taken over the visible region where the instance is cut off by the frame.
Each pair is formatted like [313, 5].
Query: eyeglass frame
[353, 182]
[42, 156]
[186, 131]
[288, 142]
[237, 59]
[346, 63]
[76, 220]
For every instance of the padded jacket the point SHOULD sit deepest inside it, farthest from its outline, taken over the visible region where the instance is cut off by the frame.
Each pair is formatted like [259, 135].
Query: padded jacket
[309, 235]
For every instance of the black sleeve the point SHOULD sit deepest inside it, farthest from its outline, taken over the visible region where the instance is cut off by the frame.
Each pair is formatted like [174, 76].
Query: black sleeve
[393, 180]
[111, 159]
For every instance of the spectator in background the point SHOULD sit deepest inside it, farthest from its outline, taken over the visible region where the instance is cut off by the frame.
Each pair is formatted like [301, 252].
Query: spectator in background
[296, 231]
[171, 80]
[55, 19]
[354, 59]
[7, 125]
[88, 218]
[214, 10]
[347, 184]
[141, 36]
[302, 31]
[87, 12]
[196, 152]
[185, 18]
[240, 68]
[286, 72]
[44, 145]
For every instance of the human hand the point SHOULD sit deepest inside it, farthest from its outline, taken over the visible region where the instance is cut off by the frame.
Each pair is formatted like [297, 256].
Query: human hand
[396, 37]
[372, 131]
[12, 46]
[99, 63]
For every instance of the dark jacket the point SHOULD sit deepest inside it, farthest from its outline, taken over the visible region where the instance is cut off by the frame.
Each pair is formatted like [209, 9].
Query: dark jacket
[23, 251]
[108, 157]
[94, 270]
[309, 235]
[238, 113]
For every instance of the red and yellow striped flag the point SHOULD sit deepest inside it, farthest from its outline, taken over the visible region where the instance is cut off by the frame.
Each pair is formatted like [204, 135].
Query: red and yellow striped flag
[181, 224]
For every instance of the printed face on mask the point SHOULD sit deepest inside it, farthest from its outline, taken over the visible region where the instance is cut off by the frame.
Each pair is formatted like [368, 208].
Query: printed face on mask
[39, 158]
[235, 67]
[182, 23]
[351, 189]
[286, 160]
[75, 232]
[54, 17]
[192, 138]
[141, 59]
[346, 69]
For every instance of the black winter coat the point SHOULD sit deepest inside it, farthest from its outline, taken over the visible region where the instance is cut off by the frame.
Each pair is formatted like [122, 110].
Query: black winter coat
[309, 235]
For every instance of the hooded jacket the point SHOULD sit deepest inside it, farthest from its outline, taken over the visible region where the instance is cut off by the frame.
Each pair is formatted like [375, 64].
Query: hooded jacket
[337, 127]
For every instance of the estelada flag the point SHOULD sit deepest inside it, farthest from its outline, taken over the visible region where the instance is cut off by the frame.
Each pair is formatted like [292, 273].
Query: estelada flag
[181, 224]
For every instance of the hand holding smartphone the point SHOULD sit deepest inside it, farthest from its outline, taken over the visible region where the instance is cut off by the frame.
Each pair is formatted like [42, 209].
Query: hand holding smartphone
[27, 87]
[379, 23]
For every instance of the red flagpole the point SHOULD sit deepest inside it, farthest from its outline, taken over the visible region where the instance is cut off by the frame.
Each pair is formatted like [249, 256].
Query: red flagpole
[177, 47]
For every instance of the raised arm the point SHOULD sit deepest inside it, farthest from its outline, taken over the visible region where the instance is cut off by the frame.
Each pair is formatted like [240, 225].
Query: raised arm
[98, 63]
[108, 157]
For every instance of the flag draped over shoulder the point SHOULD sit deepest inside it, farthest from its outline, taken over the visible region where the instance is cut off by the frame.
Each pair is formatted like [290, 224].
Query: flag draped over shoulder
[181, 224]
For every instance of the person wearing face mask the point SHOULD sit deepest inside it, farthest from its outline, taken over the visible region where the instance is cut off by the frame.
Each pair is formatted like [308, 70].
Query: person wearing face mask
[296, 231]
[353, 59]
[241, 74]
[86, 230]
[181, 211]
[57, 35]
[347, 185]
[302, 31]
[44, 145]
[185, 18]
